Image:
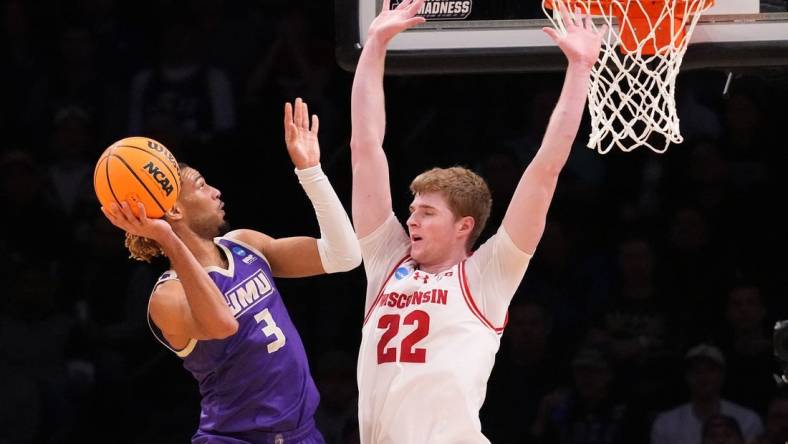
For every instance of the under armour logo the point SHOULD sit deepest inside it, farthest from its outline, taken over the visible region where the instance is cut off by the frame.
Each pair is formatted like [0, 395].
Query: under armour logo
[417, 276]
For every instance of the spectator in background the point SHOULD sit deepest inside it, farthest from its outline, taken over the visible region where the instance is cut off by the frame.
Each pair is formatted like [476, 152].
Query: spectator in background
[182, 101]
[20, 411]
[74, 79]
[571, 282]
[117, 35]
[635, 325]
[503, 169]
[23, 192]
[776, 421]
[747, 344]
[590, 412]
[71, 169]
[114, 346]
[295, 61]
[722, 429]
[35, 340]
[335, 376]
[694, 269]
[19, 56]
[527, 368]
[702, 176]
[227, 38]
[705, 374]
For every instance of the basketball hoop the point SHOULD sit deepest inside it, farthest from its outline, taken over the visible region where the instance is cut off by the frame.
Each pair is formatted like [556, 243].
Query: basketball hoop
[632, 91]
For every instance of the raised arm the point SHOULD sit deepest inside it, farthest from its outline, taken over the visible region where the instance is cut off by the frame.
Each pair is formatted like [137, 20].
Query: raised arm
[337, 249]
[192, 306]
[371, 189]
[527, 213]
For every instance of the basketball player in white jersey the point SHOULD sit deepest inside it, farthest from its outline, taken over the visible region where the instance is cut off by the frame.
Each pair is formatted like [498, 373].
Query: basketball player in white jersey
[435, 309]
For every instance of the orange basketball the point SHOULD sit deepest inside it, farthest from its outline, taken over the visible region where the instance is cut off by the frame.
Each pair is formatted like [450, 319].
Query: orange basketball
[138, 169]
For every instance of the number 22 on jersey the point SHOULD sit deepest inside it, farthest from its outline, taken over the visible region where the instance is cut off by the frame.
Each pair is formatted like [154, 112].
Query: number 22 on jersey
[408, 352]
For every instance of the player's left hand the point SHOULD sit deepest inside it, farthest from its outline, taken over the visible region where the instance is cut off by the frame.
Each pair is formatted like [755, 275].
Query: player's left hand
[302, 144]
[580, 41]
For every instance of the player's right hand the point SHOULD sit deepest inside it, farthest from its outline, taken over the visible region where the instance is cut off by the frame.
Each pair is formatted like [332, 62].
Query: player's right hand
[301, 139]
[389, 23]
[123, 218]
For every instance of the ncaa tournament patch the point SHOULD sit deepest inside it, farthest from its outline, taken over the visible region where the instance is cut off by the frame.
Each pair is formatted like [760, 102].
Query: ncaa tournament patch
[442, 9]
[402, 273]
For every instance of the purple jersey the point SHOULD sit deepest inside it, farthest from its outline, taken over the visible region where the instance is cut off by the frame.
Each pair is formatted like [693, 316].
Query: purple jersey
[258, 379]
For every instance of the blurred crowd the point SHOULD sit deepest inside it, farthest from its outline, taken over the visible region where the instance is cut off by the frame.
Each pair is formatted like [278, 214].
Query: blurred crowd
[645, 316]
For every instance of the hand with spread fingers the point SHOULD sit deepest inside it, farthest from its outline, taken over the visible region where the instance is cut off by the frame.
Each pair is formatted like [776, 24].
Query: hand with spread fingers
[302, 143]
[389, 22]
[581, 42]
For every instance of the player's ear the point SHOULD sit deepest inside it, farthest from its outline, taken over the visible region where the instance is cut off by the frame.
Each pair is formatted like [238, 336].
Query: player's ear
[465, 225]
[175, 213]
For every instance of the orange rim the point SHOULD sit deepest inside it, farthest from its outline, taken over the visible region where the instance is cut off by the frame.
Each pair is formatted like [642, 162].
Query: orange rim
[640, 21]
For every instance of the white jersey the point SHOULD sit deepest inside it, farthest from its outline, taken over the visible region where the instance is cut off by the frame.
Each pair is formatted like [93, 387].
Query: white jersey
[429, 339]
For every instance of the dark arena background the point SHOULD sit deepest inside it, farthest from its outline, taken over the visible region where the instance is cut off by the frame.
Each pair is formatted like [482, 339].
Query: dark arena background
[644, 257]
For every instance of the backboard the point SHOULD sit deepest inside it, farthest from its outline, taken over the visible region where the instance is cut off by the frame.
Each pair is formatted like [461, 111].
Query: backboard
[506, 36]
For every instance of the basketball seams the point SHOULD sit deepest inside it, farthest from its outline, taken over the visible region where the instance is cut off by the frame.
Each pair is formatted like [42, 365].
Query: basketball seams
[165, 162]
[131, 170]
[109, 182]
[96, 174]
[96, 171]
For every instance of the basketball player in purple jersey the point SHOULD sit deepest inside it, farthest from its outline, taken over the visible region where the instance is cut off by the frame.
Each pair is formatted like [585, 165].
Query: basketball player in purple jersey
[218, 308]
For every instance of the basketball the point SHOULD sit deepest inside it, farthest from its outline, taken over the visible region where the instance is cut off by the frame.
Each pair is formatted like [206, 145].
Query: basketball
[138, 169]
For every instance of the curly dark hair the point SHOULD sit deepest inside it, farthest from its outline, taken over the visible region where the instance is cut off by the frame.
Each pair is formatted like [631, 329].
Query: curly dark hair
[142, 248]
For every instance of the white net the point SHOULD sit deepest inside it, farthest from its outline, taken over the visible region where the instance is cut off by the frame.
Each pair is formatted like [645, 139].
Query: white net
[632, 95]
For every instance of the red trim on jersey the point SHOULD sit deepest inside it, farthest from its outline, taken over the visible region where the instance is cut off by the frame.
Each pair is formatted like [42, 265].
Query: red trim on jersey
[466, 292]
[383, 287]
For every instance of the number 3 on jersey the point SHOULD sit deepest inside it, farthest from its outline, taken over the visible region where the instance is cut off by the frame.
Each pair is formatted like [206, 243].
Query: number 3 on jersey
[271, 329]
[408, 352]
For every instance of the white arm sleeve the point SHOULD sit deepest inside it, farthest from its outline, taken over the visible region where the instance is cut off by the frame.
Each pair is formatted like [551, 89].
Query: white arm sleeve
[494, 272]
[338, 247]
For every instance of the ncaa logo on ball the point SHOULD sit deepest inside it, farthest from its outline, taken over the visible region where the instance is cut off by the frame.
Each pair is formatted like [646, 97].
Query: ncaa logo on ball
[159, 176]
[402, 272]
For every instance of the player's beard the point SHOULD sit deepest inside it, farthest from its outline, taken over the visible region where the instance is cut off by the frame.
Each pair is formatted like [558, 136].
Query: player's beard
[224, 228]
[209, 231]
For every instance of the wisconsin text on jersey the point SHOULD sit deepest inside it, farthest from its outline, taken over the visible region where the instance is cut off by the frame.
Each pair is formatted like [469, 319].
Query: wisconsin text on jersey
[248, 293]
[397, 300]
